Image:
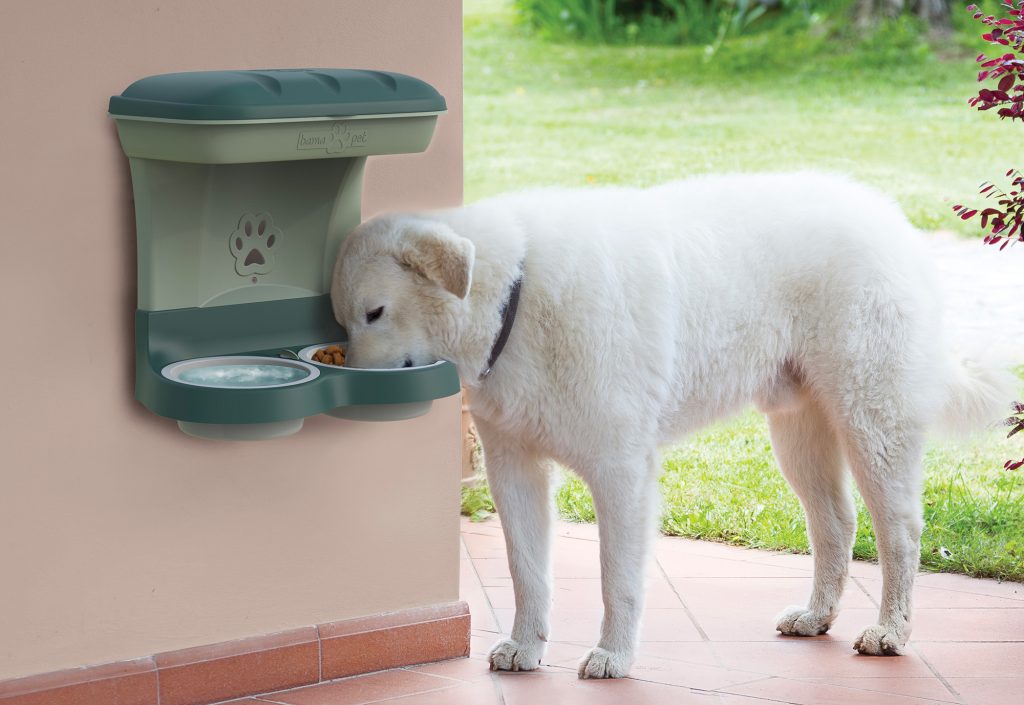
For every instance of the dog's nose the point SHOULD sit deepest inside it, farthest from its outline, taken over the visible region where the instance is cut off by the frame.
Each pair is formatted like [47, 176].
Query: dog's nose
[407, 363]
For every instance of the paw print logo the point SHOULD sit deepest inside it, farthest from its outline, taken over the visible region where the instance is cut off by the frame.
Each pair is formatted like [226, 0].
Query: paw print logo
[254, 244]
[339, 139]
[342, 137]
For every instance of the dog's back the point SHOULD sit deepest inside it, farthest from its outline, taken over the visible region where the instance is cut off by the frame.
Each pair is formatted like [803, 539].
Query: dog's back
[667, 307]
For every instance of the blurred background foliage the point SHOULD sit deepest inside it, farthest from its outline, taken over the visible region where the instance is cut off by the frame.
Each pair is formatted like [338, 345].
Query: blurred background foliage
[711, 21]
[634, 92]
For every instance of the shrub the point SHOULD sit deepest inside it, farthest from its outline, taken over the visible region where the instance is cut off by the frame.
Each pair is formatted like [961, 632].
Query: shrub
[1004, 220]
[656, 21]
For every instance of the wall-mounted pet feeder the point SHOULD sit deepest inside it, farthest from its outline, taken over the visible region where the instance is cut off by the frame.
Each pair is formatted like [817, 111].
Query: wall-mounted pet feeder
[245, 184]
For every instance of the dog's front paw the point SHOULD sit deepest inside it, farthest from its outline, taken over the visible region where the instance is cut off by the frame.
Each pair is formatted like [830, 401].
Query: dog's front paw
[800, 621]
[511, 655]
[878, 640]
[601, 663]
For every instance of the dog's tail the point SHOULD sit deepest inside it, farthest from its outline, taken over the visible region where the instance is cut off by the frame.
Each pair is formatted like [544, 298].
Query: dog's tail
[978, 395]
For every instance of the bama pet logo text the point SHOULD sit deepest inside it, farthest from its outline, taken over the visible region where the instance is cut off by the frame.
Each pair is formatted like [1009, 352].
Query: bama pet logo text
[337, 139]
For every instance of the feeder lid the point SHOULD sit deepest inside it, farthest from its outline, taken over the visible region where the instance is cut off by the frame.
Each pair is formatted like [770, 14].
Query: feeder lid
[274, 95]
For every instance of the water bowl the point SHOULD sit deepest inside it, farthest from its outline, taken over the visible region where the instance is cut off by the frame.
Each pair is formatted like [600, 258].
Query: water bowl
[240, 372]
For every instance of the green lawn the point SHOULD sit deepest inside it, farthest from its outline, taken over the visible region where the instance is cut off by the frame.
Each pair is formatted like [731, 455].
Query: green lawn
[886, 110]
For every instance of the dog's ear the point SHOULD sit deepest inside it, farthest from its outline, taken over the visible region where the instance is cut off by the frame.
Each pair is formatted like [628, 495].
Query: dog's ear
[433, 250]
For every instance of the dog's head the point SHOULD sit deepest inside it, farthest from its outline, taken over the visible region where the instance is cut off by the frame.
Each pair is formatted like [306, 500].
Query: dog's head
[398, 285]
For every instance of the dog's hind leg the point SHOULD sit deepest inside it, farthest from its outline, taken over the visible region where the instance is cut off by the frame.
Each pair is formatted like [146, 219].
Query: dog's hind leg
[886, 460]
[625, 499]
[810, 457]
[520, 484]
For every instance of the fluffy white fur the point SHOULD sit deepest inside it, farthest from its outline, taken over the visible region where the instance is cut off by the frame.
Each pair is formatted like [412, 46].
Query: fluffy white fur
[645, 314]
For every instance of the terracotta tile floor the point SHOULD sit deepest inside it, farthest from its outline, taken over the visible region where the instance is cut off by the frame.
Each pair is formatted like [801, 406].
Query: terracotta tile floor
[708, 637]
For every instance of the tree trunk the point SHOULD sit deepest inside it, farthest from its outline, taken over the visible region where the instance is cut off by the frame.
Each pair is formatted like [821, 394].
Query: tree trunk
[935, 13]
[869, 12]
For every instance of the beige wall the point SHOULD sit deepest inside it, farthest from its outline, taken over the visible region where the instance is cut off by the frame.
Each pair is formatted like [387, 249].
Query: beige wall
[119, 535]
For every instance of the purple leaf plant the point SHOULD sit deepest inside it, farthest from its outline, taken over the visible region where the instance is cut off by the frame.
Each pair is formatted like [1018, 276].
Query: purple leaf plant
[1003, 219]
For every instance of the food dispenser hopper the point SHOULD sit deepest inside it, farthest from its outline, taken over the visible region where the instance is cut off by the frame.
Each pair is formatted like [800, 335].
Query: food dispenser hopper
[245, 184]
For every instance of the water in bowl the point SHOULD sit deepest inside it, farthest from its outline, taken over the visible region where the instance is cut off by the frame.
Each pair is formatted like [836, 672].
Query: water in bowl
[242, 376]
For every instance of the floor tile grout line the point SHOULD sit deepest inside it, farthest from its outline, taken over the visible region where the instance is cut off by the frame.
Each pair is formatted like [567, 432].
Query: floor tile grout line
[965, 609]
[370, 702]
[759, 564]
[824, 681]
[735, 560]
[412, 669]
[928, 665]
[965, 592]
[945, 684]
[969, 641]
[496, 684]
[871, 599]
[760, 677]
[776, 639]
[959, 592]
[693, 619]
[723, 691]
[808, 576]
[480, 584]
[409, 695]
[942, 679]
[693, 689]
[746, 697]
[929, 573]
[756, 552]
[265, 695]
[761, 674]
[571, 669]
[756, 697]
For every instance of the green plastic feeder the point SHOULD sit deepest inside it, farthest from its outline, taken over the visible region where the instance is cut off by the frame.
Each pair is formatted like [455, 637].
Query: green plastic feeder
[245, 184]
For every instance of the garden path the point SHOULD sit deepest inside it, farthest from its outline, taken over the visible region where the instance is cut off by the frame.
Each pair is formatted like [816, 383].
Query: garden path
[984, 294]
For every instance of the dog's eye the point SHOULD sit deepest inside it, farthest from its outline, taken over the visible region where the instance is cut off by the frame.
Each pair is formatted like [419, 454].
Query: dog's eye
[373, 315]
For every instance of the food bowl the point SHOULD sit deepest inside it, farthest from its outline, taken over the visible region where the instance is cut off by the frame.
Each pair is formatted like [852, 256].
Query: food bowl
[371, 412]
[306, 355]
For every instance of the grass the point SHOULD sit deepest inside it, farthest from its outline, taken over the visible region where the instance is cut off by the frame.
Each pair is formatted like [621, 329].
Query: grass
[889, 110]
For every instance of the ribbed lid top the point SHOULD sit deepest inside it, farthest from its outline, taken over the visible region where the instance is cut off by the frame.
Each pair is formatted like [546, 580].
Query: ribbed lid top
[275, 94]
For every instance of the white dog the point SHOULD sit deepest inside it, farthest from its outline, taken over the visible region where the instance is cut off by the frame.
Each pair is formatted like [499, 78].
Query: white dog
[645, 314]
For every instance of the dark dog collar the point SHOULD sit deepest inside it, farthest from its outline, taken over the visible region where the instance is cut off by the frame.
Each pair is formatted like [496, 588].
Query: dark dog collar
[508, 317]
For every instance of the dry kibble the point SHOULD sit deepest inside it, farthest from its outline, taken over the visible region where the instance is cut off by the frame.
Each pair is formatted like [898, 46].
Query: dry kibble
[331, 355]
